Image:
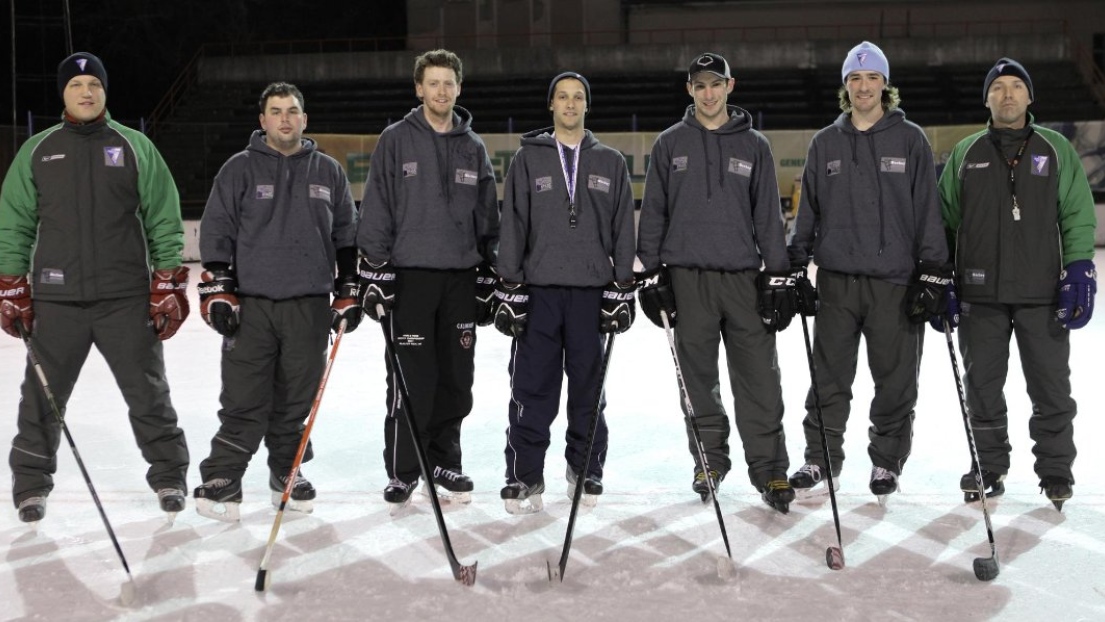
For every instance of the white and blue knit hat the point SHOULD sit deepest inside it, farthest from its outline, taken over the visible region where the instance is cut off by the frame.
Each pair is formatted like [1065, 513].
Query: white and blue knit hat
[865, 57]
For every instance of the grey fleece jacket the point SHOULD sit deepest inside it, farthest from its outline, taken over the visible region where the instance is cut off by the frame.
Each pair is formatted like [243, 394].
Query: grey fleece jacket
[429, 200]
[869, 204]
[711, 199]
[279, 220]
[539, 246]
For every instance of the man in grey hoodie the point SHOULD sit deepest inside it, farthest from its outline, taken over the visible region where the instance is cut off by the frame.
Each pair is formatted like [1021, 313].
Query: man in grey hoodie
[709, 219]
[870, 218]
[429, 221]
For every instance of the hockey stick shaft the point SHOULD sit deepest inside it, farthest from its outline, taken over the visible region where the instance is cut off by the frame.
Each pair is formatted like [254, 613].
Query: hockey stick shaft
[463, 574]
[577, 495]
[262, 570]
[695, 431]
[36, 364]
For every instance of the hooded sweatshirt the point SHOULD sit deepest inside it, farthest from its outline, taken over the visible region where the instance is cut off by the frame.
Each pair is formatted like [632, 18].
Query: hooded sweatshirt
[869, 201]
[279, 220]
[711, 199]
[429, 200]
[539, 244]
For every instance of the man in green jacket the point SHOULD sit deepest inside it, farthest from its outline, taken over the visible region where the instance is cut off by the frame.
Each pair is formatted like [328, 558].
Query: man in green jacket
[90, 254]
[1020, 220]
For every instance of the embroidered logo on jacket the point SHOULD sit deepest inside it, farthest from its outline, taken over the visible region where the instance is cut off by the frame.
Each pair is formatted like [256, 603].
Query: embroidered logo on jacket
[597, 182]
[1040, 165]
[410, 169]
[466, 177]
[679, 164]
[974, 276]
[51, 276]
[264, 191]
[113, 156]
[972, 165]
[543, 184]
[740, 167]
[51, 158]
[832, 168]
[892, 165]
[318, 191]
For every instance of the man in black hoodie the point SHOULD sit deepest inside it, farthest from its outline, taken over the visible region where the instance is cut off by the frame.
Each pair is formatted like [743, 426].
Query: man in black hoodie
[429, 224]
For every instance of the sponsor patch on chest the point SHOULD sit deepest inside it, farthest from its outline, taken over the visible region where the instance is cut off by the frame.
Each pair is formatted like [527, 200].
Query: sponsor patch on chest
[740, 167]
[974, 276]
[264, 192]
[832, 168]
[51, 158]
[113, 156]
[891, 164]
[1040, 165]
[318, 191]
[598, 182]
[51, 276]
[679, 164]
[974, 165]
[466, 177]
[410, 169]
[543, 184]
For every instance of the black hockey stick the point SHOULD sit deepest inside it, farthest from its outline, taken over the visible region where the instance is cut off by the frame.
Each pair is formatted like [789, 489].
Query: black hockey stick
[463, 574]
[986, 569]
[695, 431]
[557, 572]
[834, 555]
[263, 577]
[126, 593]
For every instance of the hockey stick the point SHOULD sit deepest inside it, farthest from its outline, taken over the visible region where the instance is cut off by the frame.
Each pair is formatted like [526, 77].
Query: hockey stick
[557, 572]
[465, 575]
[695, 431]
[986, 569]
[127, 591]
[834, 555]
[263, 577]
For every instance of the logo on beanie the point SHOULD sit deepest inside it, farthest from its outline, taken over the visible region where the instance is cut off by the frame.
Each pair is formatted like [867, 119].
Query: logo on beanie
[862, 58]
[81, 62]
[1001, 67]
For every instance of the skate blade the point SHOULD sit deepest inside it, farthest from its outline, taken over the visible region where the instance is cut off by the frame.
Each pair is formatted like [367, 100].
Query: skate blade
[816, 493]
[170, 518]
[304, 506]
[529, 505]
[1058, 504]
[228, 512]
[396, 509]
[586, 500]
[882, 500]
[447, 496]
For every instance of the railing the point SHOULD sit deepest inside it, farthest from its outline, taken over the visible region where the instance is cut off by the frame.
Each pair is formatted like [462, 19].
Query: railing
[1091, 73]
[183, 83]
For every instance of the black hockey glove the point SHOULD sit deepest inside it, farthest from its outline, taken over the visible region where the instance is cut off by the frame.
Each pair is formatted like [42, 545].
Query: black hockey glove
[377, 288]
[1077, 290]
[806, 300]
[778, 299]
[926, 296]
[950, 314]
[511, 308]
[656, 294]
[347, 303]
[618, 308]
[486, 279]
[218, 290]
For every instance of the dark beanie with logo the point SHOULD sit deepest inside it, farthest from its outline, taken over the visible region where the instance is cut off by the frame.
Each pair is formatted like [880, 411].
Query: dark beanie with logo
[1007, 67]
[575, 76]
[80, 64]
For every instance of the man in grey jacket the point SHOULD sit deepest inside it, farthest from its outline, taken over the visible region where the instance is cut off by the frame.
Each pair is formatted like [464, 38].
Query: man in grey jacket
[280, 218]
[870, 218]
[710, 218]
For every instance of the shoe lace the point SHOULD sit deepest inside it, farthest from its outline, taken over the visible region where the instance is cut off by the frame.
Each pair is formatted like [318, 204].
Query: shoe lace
[700, 476]
[448, 474]
[398, 483]
[169, 492]
[812, 470]
[218, 482]
[879, 473]
[777, 484]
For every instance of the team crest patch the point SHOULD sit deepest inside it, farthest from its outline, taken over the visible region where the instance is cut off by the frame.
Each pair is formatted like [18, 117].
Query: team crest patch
[1040, 165]
[466, 177]
[892, 165]
[597, 182]
[740, 167]
[319, 192]
[113, 156]
[264, 191]
[467, 339]
[543, 184]
[679, 164]
[410, 169]
[832, 168]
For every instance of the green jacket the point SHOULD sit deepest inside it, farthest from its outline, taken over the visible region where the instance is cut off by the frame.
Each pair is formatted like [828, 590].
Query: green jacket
[89, 210]
[1009, 257]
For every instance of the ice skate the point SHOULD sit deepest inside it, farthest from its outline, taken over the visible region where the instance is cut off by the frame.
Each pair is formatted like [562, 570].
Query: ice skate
[452, 485]
[700, 486]
[171, 501]
[778, 494]
[32, 510]
[810, 484]
[303, 493]
[592, 488]
[219, 498]
[992, 484]
[521, 499]
[398, 494]
[883, 483]
[1057, 489]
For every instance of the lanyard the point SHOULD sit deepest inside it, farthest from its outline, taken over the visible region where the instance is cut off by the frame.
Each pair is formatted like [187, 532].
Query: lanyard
[1012, 164]
[570, 175]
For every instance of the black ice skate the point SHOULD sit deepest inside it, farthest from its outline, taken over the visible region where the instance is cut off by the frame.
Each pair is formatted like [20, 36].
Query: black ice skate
[883, 483]
[778, 494]
[398, 493]
[521, 499]
[992, 484]
[810, 483]
[452, 485]
[219, 498]
[171, 501]
[303, 493]
[33, 509]
[702, 487]
[592, 488]
[1057, 489]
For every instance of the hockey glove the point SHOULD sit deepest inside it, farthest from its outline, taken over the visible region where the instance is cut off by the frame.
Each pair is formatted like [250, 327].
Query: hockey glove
[169, 300]
[486, 279]
[618, 308]
[219, 307]
[347, 304]
[925, 297]
[656, 294]
[951, 310]
[15, 304]
[1077, 288]
[778, 299]
[806, 300]
[511, 309]
[377, 287]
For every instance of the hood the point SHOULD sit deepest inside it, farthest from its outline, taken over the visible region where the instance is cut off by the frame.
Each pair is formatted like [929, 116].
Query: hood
[462, 120]
[739, 120]
[257, 143]
[544, 137]
[889, 119]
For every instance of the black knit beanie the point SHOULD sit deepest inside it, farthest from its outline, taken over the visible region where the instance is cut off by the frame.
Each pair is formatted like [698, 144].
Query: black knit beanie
[1007, 67]
[80, 64]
